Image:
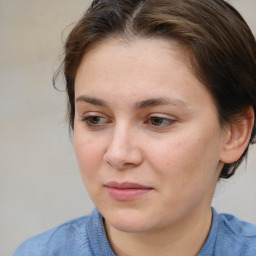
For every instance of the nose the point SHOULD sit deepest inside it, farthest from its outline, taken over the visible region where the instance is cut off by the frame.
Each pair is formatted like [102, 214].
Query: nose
[123, 150]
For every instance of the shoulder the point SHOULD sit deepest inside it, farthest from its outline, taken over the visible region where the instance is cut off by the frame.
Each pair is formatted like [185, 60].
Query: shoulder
[70, 238]
[229, 236]
[236, 226]
[82, 236]
[235, 236]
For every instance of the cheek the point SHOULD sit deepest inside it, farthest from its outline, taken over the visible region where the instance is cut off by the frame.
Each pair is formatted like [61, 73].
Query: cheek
[185, 160]
[89, 154]
[185, 172]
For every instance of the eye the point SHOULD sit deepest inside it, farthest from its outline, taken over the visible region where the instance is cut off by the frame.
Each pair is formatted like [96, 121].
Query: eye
[94, 120]
[160, 121]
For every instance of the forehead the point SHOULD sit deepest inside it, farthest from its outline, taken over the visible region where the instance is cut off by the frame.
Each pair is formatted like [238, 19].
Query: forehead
[138, 70]
[110, 48]
[117, 59]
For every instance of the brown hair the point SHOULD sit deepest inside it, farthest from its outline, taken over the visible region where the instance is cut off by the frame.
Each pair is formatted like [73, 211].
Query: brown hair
[222, 47]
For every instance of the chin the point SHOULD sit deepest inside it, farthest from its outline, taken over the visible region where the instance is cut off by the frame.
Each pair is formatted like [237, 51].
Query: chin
[132, 221]
[130, 226]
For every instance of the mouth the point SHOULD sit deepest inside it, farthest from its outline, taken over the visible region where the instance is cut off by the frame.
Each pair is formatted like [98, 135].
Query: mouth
[126, 191]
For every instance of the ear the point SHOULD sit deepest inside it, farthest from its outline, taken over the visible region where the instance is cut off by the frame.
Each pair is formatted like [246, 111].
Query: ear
[237, 137]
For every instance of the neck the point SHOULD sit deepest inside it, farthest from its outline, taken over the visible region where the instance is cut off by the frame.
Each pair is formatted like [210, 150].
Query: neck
[184, 238]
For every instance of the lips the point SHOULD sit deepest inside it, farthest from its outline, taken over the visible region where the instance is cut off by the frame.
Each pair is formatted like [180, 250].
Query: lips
[126, 191]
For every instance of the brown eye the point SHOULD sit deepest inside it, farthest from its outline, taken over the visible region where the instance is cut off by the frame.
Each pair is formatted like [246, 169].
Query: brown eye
[94, 120]
[160, 121]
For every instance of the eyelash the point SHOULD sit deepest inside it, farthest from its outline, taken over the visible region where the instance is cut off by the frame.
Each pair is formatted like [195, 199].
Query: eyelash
[92, 121]
[167, 121]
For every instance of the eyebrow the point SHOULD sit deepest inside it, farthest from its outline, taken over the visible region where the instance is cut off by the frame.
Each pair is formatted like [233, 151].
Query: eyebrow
[152, 102]
[91, 100]
[160, 101]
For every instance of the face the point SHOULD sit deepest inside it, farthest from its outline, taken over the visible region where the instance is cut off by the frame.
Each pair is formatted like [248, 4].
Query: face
[146, 134]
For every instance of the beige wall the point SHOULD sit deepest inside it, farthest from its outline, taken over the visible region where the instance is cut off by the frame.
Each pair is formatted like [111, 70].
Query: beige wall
[40, 185]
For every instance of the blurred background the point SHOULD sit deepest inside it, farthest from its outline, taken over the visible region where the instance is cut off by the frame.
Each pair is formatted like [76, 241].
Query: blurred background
[40, 186]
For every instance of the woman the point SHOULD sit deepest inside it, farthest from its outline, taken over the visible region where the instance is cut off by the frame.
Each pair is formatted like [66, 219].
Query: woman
[162, 98]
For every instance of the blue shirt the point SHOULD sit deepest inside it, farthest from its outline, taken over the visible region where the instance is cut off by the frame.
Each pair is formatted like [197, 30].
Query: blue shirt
[86, 236]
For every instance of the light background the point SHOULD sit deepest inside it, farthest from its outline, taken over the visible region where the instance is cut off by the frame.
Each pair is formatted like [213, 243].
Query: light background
[40, 186]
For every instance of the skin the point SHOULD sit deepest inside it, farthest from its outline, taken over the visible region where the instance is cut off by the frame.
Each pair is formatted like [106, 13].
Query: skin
[174, 145]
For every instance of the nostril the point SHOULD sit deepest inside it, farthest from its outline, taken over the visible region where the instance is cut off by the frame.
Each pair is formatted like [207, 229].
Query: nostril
[121, 153]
